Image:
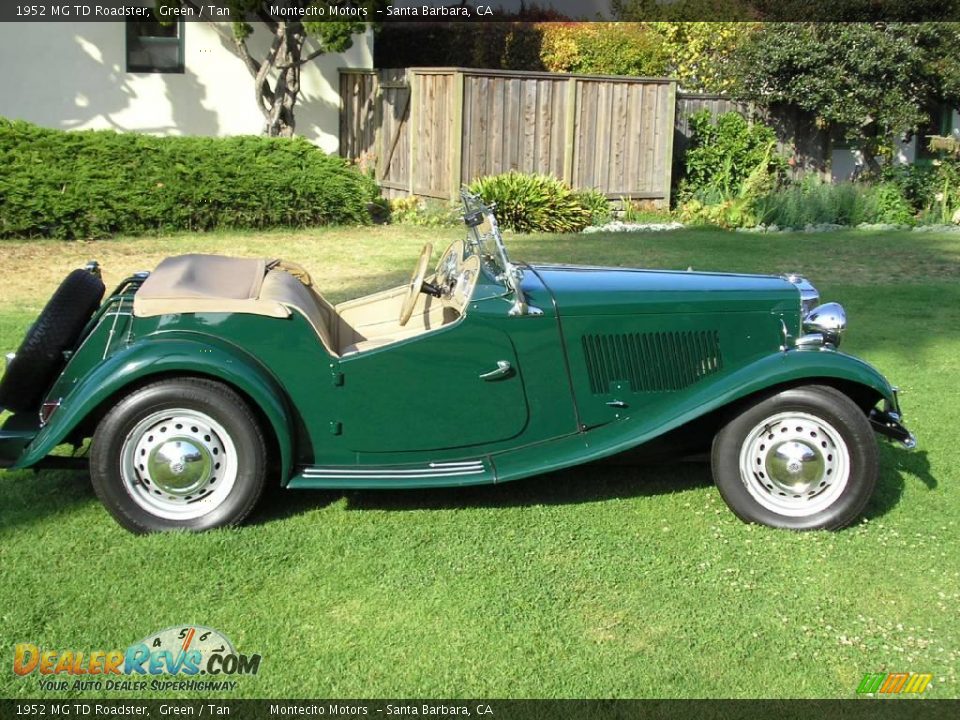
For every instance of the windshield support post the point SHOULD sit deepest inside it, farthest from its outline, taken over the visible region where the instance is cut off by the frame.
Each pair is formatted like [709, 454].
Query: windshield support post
[475, 213]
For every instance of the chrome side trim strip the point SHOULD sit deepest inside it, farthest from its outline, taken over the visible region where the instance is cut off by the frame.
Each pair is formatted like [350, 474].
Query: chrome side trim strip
[432, 470]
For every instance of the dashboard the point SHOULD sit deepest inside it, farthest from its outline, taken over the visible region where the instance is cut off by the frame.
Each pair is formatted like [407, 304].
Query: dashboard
[456, 276]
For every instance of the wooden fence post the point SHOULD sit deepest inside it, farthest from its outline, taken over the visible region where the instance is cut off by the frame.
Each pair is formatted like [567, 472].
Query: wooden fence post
[378, 141]
[412, 128]
[570, 130]
[456, 135]
[670, 127]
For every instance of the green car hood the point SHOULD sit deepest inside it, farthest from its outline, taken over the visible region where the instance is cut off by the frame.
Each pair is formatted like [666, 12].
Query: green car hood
[618, 291]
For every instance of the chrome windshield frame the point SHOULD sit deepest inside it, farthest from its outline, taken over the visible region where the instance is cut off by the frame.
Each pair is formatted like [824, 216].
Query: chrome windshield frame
[475, 214]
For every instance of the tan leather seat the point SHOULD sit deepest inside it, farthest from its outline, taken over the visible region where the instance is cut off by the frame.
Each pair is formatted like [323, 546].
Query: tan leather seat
[282, 287]
[217, 284]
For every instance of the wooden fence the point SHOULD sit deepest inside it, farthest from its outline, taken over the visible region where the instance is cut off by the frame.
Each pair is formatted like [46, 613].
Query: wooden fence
[431, 130]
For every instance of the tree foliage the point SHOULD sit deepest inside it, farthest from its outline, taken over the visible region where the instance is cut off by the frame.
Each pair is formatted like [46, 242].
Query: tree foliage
[603, 48]
[871, 81]
[701, 53]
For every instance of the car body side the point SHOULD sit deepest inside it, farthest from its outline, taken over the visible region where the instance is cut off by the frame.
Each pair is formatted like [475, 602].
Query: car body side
[577, 390]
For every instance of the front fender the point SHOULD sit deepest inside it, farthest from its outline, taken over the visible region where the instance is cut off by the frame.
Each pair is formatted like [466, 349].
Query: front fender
[166, 355]
[768, 372]
[633, 430]
[771, 371]
[804, 365]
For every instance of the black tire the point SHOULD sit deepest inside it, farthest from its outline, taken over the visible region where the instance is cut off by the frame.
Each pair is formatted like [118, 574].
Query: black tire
[838, 437]
[40, 356]
[129, 496]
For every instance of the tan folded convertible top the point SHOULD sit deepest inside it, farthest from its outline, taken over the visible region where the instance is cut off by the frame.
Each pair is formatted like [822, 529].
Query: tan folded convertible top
[206, 283]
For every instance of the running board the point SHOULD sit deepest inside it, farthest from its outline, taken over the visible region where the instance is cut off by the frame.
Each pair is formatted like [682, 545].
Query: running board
[435, 474]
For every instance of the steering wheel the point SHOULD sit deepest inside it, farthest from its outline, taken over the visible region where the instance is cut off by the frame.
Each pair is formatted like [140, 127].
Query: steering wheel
[416, 284]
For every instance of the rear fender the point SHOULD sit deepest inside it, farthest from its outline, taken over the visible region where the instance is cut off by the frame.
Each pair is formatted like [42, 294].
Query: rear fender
[163, 356]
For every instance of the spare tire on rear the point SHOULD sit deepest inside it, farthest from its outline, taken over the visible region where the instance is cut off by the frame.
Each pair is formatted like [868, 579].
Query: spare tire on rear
[40, 356]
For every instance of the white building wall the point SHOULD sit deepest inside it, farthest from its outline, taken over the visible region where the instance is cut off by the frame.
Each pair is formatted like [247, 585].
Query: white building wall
[843, 160]
[73, 76]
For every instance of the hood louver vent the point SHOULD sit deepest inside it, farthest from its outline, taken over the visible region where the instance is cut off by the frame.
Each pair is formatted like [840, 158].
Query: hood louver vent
[651, 362]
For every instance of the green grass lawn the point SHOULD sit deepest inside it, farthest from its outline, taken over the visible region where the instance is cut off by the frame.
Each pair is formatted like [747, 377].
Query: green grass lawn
[602, 581]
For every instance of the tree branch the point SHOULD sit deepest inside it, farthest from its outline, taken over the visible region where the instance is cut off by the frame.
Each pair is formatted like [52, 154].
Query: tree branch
[315, 54]
[252, 65]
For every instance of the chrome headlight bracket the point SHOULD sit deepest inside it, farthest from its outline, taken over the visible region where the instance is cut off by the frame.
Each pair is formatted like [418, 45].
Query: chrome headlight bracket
[809, 295]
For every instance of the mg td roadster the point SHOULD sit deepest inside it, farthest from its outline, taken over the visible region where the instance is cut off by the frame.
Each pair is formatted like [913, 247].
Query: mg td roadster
[210, 377]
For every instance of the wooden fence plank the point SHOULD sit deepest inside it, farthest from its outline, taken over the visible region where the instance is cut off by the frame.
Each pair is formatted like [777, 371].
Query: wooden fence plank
[570, 130]
[456, 136]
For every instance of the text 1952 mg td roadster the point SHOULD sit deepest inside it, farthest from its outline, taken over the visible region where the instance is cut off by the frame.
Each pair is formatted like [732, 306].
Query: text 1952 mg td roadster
[211, 376]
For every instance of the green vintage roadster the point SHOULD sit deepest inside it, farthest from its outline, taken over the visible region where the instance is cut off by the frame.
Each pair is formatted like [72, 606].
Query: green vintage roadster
[211, 376]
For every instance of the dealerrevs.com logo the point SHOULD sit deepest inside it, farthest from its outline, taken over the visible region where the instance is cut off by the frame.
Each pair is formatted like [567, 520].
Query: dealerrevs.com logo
[172, 659]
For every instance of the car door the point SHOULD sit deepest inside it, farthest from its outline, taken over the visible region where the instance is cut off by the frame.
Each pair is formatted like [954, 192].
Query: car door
[460, 386]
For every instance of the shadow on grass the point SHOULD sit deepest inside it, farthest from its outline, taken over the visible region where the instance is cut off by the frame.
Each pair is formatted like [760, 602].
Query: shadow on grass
[28, 498]
[895, 462]
[596, 482]
[619, 478]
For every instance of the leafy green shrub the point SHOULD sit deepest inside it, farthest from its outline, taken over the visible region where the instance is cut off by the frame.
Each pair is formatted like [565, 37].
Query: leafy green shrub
[917, 183]
[890, 205]
[945, 207]
[532, 203]
[90, 184]
[412, 210]
[597, 204]
[724, 154]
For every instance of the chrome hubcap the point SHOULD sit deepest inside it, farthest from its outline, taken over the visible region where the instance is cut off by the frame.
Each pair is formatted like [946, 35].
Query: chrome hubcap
[178, 464]
[795, 464]
[179, 467]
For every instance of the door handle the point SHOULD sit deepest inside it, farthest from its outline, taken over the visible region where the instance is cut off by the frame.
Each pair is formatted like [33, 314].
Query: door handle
[504, 369]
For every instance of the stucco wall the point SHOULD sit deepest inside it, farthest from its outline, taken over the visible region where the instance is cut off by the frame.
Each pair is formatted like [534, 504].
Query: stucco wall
[843, 160]
[77, 79]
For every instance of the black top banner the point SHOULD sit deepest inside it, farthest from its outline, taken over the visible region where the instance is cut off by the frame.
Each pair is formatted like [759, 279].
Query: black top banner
[433, 11]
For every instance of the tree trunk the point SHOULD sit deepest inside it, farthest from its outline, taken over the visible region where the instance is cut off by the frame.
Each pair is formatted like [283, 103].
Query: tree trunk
[282, 61]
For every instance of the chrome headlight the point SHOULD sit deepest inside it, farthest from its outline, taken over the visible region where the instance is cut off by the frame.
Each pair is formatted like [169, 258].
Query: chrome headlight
[829, 319]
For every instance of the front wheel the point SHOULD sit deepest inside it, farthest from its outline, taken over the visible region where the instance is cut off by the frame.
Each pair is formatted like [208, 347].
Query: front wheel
[802, 459]
[183, 454]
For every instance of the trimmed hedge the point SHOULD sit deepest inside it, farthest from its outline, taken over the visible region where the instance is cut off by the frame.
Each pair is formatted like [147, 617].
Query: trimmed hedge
[90, 184]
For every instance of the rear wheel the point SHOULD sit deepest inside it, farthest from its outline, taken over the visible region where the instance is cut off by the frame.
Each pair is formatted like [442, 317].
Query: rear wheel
[184, 454]
[802, 459]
